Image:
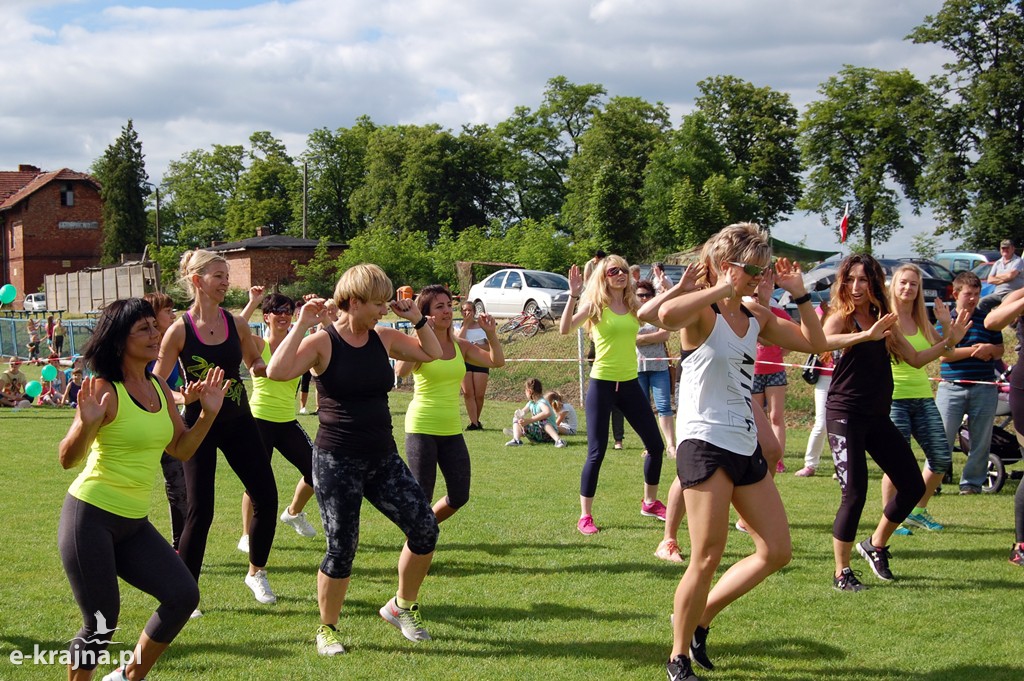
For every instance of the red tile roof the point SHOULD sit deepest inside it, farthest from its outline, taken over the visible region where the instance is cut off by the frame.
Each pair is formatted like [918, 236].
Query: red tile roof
[18, 184]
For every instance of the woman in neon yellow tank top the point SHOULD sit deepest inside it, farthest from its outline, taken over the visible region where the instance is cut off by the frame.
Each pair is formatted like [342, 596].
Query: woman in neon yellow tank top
[433, 427]
[609, 308]
[913, 407]
[124, 421]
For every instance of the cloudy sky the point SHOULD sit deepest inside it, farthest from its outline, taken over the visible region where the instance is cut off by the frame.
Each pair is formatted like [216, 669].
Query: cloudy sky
[192, 73]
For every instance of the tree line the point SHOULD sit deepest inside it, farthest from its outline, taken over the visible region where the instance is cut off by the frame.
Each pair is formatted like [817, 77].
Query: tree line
[585, 170]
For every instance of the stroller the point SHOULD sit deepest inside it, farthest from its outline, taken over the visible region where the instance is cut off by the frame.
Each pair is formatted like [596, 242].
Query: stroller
[1004, 450]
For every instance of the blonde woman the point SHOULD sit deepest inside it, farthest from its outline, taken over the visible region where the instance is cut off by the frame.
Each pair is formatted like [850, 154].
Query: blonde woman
[209, 336]
[608, 308]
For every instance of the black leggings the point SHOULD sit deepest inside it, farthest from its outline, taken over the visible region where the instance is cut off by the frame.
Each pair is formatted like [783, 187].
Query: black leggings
[292, 441]
[427, 453]
[239, 439]
[341, 481]
[849, 437]
[177, 496]
[97, 547]
[602, 396]
[304, 382]
[1017, 409]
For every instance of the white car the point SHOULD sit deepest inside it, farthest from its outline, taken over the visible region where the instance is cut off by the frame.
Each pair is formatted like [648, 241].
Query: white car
[35, 302]
[506, 293]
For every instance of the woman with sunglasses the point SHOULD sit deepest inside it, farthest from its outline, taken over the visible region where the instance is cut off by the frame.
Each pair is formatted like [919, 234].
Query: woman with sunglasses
[608, 308]
[857, 412]
[719, 460]
[474, 385]
[273, 407]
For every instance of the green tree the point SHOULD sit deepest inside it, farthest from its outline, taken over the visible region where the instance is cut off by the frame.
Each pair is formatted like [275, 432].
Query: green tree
[405, 256]
[197, 190]
[757, 130]
[267, 191]
[319, 275]
[603, 206]
[123, 181]
[336, 164]
[975, 179]
[866, 137]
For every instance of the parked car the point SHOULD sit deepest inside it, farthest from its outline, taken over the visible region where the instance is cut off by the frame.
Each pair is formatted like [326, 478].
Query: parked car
[508, 292]
[983, 271]
[673, 272]
[962, 261]
[35, 302]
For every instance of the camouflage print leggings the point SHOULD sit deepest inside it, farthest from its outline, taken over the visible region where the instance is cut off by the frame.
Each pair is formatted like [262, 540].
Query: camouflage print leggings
[341, 481]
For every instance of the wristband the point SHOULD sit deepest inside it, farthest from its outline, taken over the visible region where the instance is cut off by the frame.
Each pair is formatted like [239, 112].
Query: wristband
[419, 325]
[805, 298]
[575, 297]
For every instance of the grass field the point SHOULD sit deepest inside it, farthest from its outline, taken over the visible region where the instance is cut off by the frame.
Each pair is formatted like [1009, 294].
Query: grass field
[516, 593]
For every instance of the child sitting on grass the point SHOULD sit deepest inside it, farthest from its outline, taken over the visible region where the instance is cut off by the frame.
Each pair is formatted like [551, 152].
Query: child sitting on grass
[536, 419]
[566, 420]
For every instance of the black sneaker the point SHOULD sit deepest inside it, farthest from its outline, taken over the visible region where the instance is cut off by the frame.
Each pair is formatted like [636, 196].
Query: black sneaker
[847, 581]
[1017, 555]
[472, 426]
[679, 669]
[699, 648]
[877, 558]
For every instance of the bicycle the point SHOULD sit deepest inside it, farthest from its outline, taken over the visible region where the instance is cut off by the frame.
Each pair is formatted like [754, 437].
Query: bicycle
[525, 324]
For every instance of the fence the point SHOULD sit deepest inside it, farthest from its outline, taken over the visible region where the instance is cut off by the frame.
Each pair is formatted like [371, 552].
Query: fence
[90, 290]
[14, 337]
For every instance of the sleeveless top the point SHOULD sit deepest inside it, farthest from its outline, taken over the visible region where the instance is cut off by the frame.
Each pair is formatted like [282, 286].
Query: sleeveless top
[910, 383]
[124, 458]
[434, 409]
[273, 401]
[353, 398]
[861, 382]
[197, 358]
[615, 346]
[714, 388]
[476, 336]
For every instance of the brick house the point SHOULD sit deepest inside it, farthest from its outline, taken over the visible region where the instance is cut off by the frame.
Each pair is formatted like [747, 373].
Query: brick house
[50, 223]
[266, 260]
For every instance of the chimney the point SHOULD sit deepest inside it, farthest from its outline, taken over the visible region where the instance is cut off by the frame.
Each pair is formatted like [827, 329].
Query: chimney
[25, 168]
[263, 230]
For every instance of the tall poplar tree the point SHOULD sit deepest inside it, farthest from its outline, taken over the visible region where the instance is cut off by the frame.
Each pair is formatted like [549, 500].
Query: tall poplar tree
[123, 180]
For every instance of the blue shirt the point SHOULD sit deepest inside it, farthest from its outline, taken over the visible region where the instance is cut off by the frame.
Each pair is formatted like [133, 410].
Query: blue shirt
[972, 368]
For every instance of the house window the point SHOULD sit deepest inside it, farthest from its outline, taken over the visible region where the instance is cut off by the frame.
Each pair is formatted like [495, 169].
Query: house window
[67, 194]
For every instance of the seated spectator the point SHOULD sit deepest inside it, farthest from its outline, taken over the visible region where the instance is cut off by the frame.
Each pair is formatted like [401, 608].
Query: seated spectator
[566, 419]
[536, 420]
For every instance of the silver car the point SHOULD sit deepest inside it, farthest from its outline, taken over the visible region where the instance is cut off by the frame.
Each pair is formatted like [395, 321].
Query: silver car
[508, 292]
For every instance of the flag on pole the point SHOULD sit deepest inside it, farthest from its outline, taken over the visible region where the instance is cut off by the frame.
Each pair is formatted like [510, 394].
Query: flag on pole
[844, 224]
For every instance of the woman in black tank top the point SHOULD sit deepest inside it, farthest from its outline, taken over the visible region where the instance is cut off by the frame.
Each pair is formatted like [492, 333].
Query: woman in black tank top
[857, 411]
[204, 337]
[355, 455]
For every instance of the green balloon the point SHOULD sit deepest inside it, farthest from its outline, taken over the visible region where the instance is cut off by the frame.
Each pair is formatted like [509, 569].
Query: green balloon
[33, 388]
[8, 293]
[49, 372]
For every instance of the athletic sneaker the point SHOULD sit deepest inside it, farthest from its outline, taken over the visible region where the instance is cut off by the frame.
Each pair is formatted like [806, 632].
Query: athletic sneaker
[472, 426]
[586, 525]
[902, 531]
[514, 443]
[877, 558]
[303, 411]
[117, 675]
[741, 527]
[780, 467]
[327, 642]
[260, 587]
[847, 581]
[699, 648]
[196, 614]
[298, 522]
[668, 550]
[559, 443]
[1017, 555]
[655, 509]
[679, 668]
[408, 621]
[924, 520]
[243, 544]
[805, 472]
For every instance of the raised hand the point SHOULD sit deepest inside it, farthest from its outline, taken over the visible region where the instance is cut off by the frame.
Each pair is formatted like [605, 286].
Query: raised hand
[256, 294]
[487, 323]
[790, 277]
[691, 276]
[959, 328]
[942, 314]
[311, 313]
[575, 281]
[405, 309]
[212, 389]
[883, 327]
[90, 409]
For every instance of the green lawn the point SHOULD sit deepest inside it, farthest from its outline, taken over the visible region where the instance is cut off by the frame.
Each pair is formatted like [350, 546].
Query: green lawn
[517, 593]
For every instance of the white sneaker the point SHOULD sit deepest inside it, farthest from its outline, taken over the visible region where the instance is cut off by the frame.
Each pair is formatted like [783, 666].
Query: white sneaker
[243, 544]
[117, 675]
[560, 443]
[260, 587]
[196, 614]
[303, 411]
[299, 523]
[327, 642]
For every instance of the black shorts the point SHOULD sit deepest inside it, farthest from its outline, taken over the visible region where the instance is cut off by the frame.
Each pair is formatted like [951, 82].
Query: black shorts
[697, 461]
[474, 369]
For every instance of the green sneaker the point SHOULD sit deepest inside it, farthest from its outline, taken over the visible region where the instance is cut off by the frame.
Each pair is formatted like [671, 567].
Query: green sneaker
[408, 621]
[924, 520]
[327, 642]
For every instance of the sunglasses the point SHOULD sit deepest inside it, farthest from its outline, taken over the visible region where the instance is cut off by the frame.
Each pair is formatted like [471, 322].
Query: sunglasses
[283, 309]
[614, 272]
[644, 295]
[748, 269]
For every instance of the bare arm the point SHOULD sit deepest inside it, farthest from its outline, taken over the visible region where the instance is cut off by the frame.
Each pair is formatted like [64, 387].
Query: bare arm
[494, 356]
[251, 356]
[211, 391]
[1006, 312]
[650, 310]
[299, 353]
[837, 339]
[570, 321]
[97, 406]
[255, 298]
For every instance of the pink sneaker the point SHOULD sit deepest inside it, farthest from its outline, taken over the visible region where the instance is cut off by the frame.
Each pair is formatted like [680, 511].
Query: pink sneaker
[668, 550]
[586, 525]
[780, 467]
[805, 472]
[655, 509]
